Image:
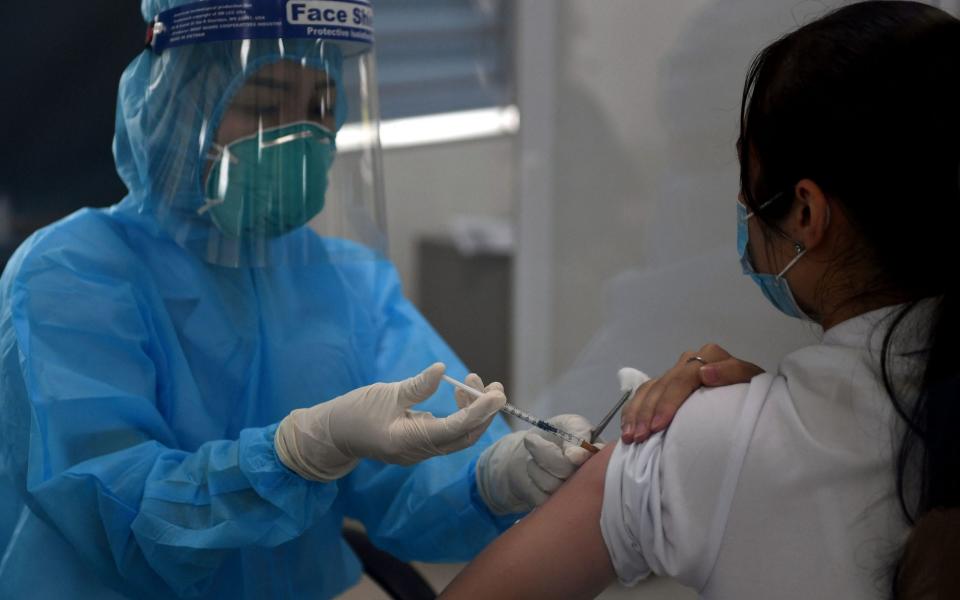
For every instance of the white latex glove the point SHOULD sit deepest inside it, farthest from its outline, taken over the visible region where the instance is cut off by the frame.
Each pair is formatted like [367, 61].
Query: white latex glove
[326, 441]
[521, 470]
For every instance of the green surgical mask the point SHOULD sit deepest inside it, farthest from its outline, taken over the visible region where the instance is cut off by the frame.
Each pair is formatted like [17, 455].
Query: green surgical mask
[272, 182]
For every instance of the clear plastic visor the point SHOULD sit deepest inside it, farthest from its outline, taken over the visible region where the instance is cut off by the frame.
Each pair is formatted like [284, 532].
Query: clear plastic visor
[289, 166]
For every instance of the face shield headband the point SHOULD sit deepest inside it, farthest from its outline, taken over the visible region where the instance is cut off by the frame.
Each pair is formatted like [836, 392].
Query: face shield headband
[347, 22]
[248, 204]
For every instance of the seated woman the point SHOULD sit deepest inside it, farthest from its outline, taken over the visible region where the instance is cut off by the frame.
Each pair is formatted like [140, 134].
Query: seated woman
[801, 484]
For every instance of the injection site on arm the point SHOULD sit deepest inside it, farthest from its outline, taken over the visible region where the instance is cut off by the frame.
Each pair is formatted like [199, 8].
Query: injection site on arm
[555, 552]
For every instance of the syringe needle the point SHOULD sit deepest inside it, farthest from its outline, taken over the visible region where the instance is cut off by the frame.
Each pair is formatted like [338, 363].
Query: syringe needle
[527, 417]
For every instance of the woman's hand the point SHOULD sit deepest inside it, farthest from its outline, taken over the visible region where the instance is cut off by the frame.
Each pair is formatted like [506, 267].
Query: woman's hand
[657, 401]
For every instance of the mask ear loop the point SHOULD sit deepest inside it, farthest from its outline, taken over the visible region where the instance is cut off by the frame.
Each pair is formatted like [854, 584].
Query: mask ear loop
[208, 204]
[215, 152]
[800, 250]
[291, 137]
[218, 153]
[224, 155]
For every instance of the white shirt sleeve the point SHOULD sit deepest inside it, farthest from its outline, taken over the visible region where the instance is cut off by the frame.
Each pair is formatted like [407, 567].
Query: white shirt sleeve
[666, 501]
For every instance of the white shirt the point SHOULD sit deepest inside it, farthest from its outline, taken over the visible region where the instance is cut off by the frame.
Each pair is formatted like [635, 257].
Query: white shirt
[780, 488]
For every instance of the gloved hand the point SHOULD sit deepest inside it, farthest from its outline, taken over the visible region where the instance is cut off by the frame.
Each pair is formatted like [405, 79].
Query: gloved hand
[326, 441]
[521, 470]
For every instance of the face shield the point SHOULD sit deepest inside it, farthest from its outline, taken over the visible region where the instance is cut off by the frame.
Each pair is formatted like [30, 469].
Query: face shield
[265, 131]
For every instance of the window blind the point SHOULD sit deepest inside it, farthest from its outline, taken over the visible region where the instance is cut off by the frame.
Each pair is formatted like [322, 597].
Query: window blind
[436, 56]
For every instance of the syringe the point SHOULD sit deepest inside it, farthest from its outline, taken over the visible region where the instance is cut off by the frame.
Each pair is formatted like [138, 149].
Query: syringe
[525, 416]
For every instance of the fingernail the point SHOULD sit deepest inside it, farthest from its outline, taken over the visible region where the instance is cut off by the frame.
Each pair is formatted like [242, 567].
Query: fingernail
[642, 432]
[709, 374]
[659, 422]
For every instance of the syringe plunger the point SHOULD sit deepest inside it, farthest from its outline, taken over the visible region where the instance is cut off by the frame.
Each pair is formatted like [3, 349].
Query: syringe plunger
[528, 418]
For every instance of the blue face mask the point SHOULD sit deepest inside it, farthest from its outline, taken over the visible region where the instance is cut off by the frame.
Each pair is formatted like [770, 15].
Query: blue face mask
[774, 287]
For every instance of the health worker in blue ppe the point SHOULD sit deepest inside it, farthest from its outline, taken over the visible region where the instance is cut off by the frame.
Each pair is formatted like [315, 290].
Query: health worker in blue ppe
[198, 384]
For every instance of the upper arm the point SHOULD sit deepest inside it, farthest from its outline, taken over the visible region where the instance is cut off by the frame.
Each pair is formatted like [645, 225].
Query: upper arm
[555, 552]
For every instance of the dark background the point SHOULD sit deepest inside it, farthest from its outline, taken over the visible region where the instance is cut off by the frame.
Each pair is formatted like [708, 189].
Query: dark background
[60, 64]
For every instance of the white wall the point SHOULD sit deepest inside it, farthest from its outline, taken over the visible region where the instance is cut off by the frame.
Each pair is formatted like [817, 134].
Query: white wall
[425, 186]
[951, 6]
[646, 172]
[609, 148]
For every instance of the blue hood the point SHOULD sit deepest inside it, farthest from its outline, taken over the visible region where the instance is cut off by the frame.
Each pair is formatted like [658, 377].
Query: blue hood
[168, 109]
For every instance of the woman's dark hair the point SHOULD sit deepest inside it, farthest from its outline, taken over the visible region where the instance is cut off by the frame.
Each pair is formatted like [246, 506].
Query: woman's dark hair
[866, 103]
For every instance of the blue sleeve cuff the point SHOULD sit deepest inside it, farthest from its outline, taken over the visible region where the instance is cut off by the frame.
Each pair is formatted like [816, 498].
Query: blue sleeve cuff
[501, 522]
[301, 500]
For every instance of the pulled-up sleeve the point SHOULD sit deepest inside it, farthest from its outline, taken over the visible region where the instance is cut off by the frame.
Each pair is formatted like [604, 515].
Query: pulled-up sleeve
[666, 501]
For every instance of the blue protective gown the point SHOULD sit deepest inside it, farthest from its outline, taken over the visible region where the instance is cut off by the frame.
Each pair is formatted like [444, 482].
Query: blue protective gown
[139, 394]
[141, 386]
